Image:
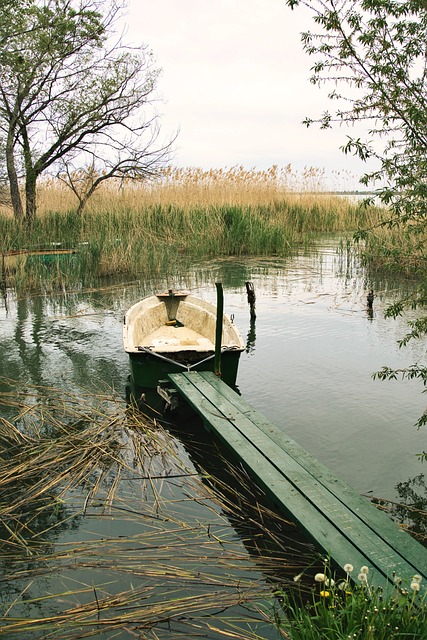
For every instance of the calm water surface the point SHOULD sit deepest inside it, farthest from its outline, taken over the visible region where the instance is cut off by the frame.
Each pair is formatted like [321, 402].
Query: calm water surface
[308, 367]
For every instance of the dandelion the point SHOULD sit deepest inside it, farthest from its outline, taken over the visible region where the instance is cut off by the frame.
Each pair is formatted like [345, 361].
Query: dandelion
[362, 577]
[364, 569]
[320, 577]
[329, 582]
[342, 585]
[416, 578]
[348, 568]
[325, 594]
[415, 586]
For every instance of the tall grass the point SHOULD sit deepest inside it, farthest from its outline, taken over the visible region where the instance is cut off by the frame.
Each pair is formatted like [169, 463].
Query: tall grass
[397, 249]
[193, 187]
[185, 214]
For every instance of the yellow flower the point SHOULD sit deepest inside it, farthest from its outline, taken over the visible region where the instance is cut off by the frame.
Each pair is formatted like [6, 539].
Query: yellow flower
[325, 594]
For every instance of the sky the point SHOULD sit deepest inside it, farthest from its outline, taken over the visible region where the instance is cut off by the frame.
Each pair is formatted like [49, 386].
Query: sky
[235, 86]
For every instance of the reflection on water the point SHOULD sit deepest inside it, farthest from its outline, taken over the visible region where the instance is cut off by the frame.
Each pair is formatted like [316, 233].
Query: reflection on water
[307, 366]
[251, 337]
[411, 510]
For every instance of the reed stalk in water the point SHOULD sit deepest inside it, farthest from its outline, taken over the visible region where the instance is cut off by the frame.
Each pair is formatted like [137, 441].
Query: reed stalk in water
[107, 526]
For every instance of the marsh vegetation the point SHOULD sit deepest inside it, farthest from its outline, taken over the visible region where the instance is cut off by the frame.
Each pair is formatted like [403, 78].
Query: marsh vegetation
[185, 214]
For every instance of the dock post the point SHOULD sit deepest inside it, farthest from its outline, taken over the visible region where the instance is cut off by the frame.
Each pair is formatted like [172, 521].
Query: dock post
[218, 332]
[251, 298]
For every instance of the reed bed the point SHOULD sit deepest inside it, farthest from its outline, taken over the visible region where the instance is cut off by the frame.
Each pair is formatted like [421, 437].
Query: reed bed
[136, 228]
[193, 187]
[398, 249]
[96, 542]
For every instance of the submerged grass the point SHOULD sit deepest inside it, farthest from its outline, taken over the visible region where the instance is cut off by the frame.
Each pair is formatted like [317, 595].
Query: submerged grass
[107, 529]
[186, 214]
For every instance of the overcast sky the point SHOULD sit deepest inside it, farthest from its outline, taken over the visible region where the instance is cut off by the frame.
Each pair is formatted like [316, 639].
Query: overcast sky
[235, 83]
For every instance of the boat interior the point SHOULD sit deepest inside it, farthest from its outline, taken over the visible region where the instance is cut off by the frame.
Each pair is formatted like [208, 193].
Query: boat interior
[166, 323]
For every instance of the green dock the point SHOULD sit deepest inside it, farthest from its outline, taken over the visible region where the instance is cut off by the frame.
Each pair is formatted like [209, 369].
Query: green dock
[342, 524]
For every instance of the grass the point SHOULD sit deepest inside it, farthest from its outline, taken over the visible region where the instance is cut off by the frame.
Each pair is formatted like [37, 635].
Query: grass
[349, 609]
[107, 527]
[397, 249]
[184, 215]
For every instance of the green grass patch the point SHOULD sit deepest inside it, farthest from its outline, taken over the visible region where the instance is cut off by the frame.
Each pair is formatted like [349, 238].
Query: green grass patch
[121, 239]
[348, 608]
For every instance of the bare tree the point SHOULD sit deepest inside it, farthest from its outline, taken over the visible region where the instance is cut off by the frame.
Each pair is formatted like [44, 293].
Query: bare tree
[70, 92]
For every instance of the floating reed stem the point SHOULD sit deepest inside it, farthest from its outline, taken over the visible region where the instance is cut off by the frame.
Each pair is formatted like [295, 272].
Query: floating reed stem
[87, 464]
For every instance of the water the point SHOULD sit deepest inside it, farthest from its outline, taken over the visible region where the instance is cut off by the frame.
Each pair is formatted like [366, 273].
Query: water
[308, 367]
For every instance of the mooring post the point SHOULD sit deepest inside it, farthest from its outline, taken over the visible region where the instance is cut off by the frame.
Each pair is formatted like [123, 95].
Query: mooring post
[251, 298]
[218, 332]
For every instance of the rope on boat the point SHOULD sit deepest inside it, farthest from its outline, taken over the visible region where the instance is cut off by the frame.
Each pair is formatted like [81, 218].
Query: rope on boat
[186, 367]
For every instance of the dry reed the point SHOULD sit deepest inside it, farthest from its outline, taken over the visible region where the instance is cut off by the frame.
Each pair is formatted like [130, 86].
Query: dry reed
[93, 536]
[184, 215]
[191, 187]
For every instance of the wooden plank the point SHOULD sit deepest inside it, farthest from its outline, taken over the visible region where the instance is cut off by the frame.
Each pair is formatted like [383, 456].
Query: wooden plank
[323, 514]
[286, 496]
[378, 521]
[336, 511]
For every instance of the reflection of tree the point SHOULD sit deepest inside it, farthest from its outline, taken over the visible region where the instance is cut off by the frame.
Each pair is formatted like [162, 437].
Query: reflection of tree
[31, 354]
[411, 511]
[61, 340]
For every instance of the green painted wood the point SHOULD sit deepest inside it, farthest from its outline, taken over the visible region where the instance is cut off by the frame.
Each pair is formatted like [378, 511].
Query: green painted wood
[333, 509]
[335, 519]
[378, 521]
[275, 485]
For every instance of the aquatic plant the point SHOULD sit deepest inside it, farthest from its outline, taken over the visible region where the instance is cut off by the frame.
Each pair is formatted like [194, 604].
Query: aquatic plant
[185, 215]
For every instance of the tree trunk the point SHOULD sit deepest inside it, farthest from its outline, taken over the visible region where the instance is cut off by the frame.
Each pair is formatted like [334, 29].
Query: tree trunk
[15, 195]
[31, 175]
[30, 195]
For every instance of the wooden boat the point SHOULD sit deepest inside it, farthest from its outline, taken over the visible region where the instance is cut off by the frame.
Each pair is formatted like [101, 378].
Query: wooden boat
[174, 332]
[16, 259]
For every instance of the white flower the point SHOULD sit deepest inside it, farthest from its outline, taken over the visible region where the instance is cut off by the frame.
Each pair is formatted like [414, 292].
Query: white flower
[362, 577]
[416, 578]
[298, 577]
[364, 569]
[348, 568]
[329, 582]
[415, 586]
[343, 585]
[320, 577]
